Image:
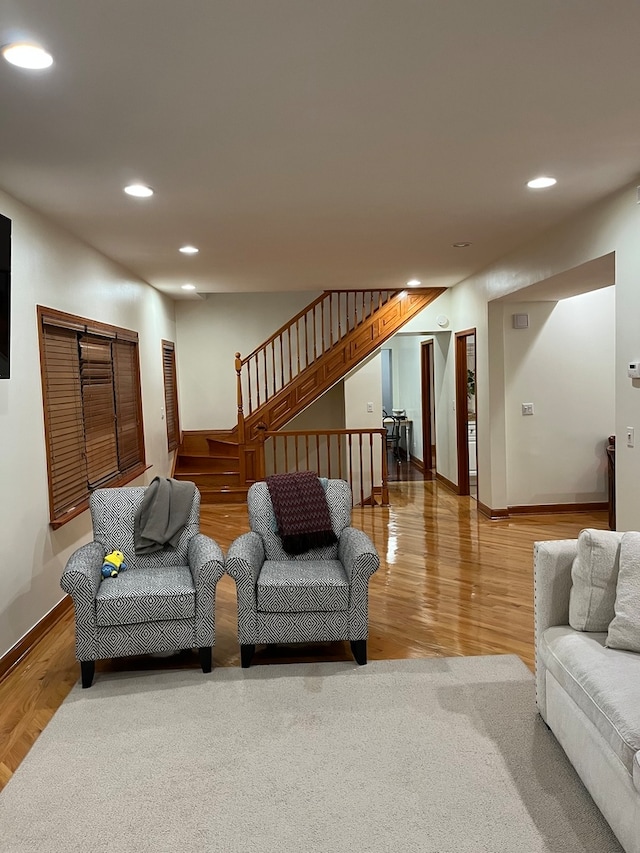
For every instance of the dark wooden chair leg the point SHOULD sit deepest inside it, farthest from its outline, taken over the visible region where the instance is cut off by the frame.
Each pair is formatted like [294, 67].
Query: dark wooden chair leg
[204, 653]
[246, 654]
[359, 649]
[87, 669]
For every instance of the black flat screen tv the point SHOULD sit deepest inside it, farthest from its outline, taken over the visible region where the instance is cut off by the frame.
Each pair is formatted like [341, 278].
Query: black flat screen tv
[5, 297]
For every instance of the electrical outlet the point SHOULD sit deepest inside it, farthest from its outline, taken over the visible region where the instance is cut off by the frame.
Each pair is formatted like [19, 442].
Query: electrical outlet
[527, 408]
[370, 407]
[631, 439]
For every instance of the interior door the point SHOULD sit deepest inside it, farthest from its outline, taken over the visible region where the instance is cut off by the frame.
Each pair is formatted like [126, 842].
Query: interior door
[466, 397]
[428, 406]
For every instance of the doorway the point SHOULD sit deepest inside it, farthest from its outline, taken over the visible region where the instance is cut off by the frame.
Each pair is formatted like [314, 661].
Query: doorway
[427, 372]
[466, 405]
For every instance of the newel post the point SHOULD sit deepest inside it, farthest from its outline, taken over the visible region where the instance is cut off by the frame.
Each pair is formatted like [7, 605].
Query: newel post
[239, 395]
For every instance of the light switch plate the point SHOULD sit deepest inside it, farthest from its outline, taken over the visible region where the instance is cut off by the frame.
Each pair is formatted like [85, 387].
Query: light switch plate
[370, 407]
[527, 408]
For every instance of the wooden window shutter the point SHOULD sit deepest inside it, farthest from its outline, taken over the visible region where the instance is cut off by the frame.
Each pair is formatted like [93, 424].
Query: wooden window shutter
[129, 428]
[98, 406]
[170, 394]
[64, 431]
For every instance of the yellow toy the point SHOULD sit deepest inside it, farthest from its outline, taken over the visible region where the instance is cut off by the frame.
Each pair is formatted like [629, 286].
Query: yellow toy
[113, 564]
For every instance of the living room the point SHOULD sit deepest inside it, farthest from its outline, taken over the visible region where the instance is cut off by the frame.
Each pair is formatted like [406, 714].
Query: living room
[55, 265]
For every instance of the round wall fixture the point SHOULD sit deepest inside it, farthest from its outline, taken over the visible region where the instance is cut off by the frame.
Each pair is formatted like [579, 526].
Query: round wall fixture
[442, 320]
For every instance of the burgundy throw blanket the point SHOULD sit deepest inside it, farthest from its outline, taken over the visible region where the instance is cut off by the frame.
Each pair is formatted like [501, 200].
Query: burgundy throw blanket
[301, 511]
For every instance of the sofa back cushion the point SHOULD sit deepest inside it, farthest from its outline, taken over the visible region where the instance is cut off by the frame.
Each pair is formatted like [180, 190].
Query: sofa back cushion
[624, 630]
[594, 576]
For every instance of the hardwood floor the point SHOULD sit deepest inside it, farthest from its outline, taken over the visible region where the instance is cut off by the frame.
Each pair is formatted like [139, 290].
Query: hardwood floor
[450, 582]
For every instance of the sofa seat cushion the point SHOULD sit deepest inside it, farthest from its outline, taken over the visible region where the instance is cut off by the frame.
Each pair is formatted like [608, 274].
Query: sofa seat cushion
[604, 683]
[302, 586]
[146, 595]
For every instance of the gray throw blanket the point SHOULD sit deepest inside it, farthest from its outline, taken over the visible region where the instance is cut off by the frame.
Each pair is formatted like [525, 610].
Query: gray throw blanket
[163, 513]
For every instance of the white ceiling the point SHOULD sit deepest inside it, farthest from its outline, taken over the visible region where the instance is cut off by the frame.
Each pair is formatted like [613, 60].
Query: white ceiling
[317, 144]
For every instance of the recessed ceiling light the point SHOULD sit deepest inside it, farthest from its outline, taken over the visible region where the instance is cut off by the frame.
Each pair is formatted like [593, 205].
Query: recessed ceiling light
[26, 55]
[138, 190]
[541, 183]
[189, 250]
[414, 283]
[460, 245]
[188, 287]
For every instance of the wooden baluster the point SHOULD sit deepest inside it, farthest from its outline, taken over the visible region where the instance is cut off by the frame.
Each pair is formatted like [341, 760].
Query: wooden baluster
[339, 315]
[361, 481]
[238, 364]
[351, 462]
[315, 334]
[255, 361]
[331, 319]
[281, 361]
[318, 453]
[340, 477]
[385, 473]
[289, 348]
[328, 455]
[266, 375]
[362, 314]
[298, 344]
[286, 454]
[371, 465]
[306, 339]
[274, 469]
[273, 367]
[306, 441]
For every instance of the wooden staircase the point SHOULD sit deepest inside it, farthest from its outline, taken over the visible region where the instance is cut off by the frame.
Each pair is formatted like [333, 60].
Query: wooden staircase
[285, 374]
[210, 459]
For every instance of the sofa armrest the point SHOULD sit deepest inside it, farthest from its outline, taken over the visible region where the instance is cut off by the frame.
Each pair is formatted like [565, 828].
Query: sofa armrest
[552, 563]
[357, 554]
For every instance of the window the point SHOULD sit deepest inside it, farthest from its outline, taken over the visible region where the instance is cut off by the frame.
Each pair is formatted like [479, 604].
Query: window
[92, 409]
[170, 393]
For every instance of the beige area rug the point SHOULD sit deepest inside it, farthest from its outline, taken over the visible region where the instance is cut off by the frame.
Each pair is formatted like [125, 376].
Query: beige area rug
[444, 755]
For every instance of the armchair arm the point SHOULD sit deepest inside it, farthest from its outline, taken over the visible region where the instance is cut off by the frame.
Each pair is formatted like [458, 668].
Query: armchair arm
[81, 579]
[357, 554]
[244, 561]
[82, 574]
[360, 560]
[206, 563]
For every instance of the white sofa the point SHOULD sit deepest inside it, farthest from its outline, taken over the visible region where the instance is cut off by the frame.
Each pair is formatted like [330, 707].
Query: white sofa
[587, 693]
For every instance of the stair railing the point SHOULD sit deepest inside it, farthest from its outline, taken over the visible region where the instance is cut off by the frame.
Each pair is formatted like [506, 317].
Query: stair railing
[300, 342]
[358, 456]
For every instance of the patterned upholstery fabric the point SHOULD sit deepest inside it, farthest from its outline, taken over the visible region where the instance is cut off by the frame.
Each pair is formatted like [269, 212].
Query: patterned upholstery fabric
[162, 602]
[321, 595]
[301, 587]
[261, 520]
[146, 595]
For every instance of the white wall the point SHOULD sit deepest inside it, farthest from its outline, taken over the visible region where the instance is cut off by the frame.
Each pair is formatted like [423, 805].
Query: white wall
[51, 268]
[363, 385]
[612, 226]
[564, 364]
[210, 332]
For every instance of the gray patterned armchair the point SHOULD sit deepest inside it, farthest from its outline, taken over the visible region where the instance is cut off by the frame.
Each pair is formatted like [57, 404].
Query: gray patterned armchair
[163, 602]
[321, 595]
